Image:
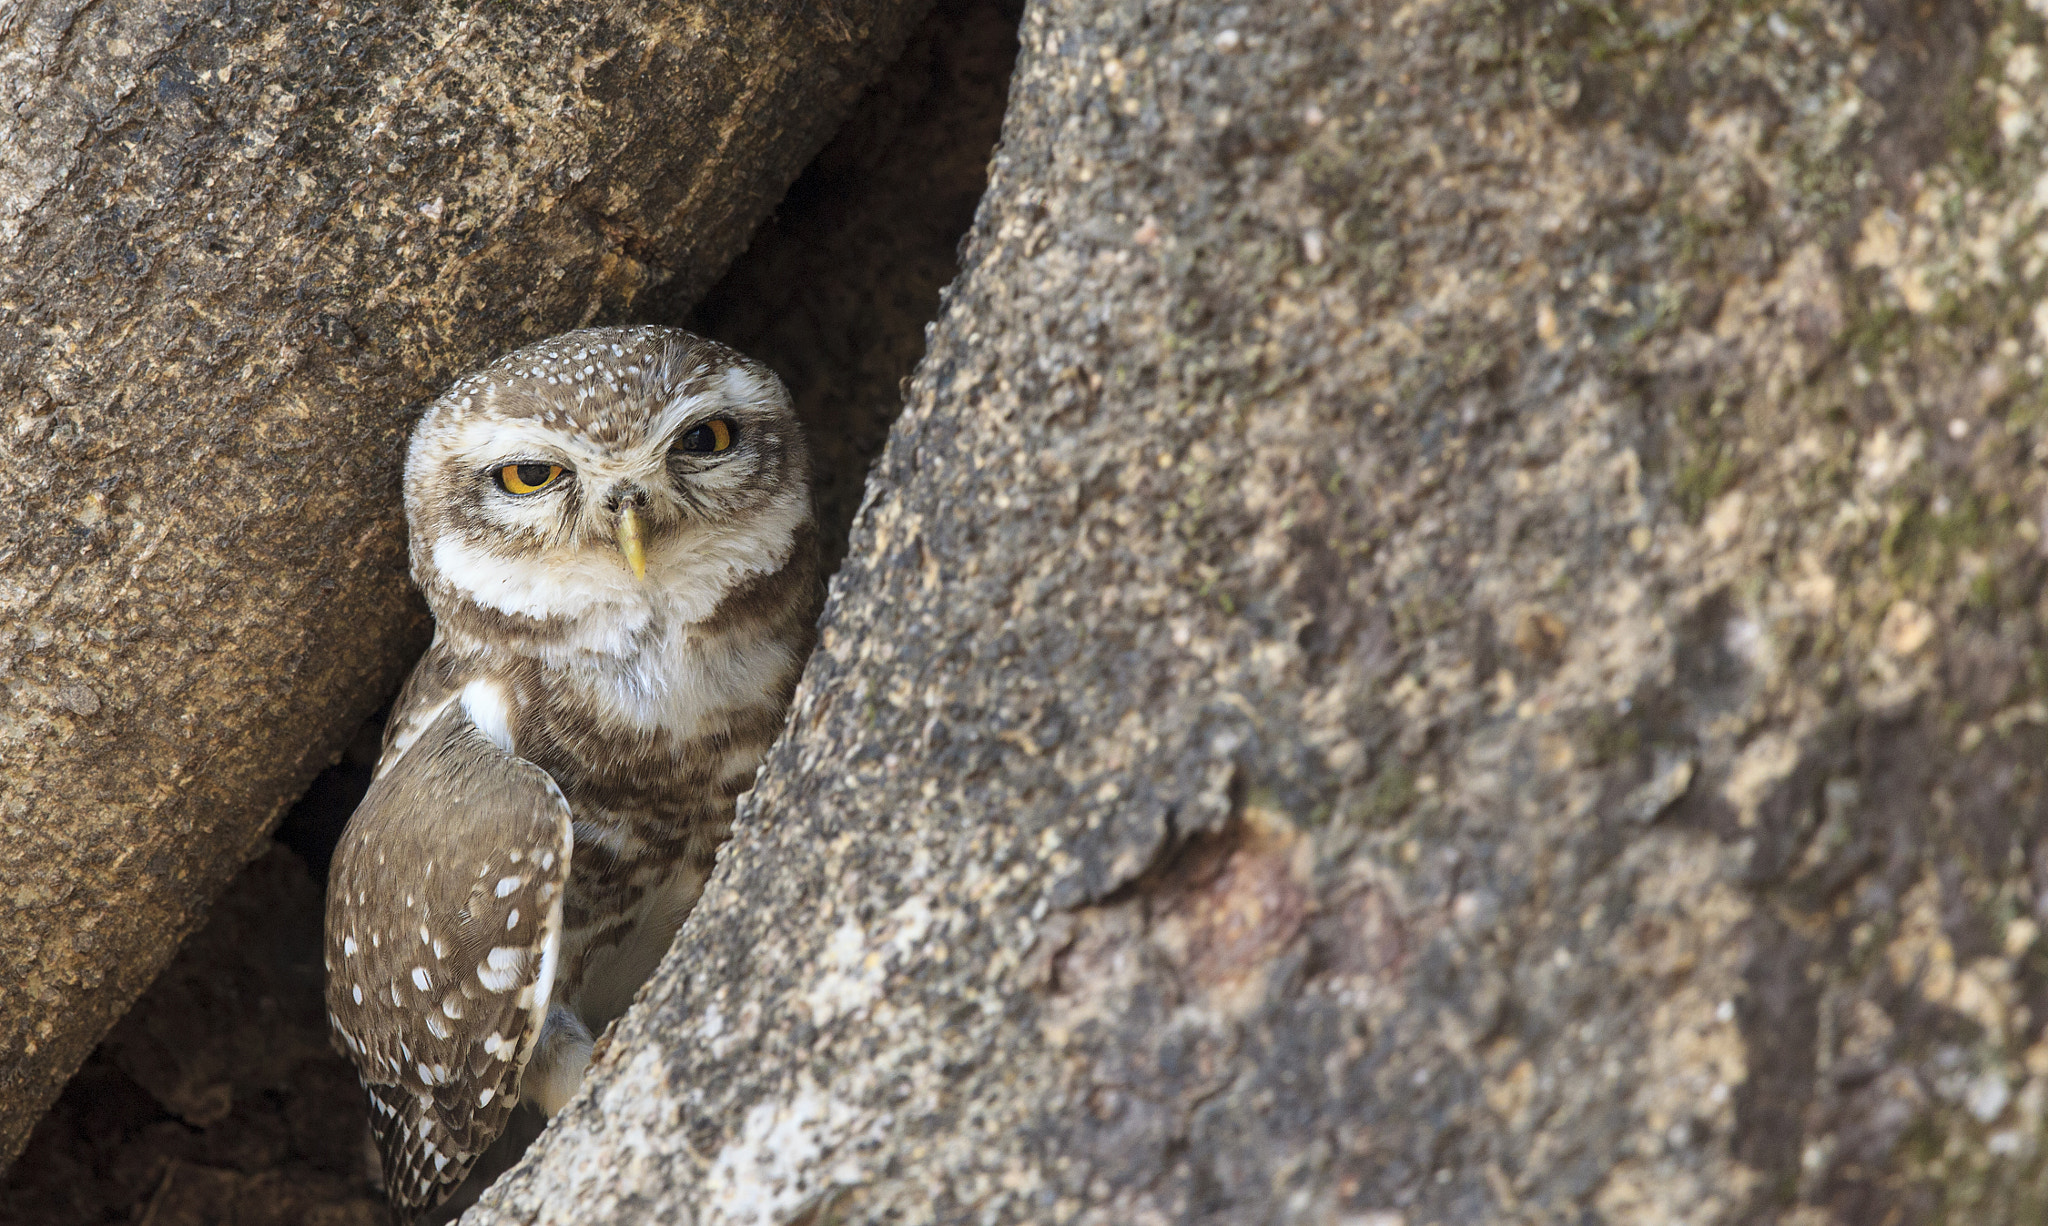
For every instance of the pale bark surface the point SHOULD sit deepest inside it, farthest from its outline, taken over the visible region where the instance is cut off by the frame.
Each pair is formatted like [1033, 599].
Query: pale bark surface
[1450, 634]
[238, 246]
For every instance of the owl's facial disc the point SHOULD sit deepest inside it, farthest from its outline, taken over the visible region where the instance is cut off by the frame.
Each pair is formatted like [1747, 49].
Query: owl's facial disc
[598, 477]
[604, 517]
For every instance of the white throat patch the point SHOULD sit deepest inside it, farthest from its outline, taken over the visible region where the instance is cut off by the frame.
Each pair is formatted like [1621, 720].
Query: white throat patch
[687, 577]
[564, 585]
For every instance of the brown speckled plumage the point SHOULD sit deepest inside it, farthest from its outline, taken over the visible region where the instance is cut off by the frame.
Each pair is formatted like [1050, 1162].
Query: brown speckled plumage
[561, 767]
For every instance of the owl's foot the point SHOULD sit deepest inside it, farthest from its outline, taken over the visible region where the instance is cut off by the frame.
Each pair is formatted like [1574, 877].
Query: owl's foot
[559, 1059]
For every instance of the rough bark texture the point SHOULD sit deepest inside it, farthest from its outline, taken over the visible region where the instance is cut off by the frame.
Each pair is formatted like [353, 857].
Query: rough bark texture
[237, 246]
[1450, 634]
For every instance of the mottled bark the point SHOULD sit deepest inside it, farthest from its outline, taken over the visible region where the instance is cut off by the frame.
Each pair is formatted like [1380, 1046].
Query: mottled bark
[1450, 634]
[238, 247]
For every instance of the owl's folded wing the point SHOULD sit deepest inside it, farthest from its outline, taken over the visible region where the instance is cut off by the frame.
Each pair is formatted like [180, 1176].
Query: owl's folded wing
[444, 923]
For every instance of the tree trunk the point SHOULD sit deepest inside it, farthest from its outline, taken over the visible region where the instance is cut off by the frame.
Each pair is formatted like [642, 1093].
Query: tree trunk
[237, 246]
[1449, 634]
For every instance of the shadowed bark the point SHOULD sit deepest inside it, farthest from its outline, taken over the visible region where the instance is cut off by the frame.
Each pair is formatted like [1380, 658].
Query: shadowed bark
[1450, 633]
[238, 246]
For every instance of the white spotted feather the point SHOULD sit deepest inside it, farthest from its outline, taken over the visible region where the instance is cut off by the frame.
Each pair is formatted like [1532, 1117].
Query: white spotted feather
[441, 1023]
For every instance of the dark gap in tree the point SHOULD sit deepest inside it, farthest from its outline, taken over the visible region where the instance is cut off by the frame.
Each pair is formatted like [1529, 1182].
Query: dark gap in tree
[838, 285]
[218, 1098]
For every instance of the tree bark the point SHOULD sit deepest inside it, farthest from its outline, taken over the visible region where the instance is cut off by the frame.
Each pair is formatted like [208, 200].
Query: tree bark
[237, 246]
[1450, 634]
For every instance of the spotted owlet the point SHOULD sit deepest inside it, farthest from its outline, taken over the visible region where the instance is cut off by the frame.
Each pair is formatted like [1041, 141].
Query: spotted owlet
[613, 530]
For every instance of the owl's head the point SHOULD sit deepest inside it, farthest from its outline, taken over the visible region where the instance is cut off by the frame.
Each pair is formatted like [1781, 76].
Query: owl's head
[604, 474]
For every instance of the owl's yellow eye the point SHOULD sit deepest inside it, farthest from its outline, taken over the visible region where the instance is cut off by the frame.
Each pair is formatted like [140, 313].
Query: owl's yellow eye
[527, 478]
[711, 437]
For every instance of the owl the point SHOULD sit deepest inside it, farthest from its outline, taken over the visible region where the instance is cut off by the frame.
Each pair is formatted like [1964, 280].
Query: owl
[614, 532]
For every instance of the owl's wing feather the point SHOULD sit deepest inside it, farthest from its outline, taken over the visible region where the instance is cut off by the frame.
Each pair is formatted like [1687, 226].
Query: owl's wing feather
[444, 919]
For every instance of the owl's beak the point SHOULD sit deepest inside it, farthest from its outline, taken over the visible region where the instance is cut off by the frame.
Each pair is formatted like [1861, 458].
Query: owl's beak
[629, 541]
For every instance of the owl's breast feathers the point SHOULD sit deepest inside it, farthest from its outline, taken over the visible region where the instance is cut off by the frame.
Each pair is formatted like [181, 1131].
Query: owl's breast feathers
[673, 710]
